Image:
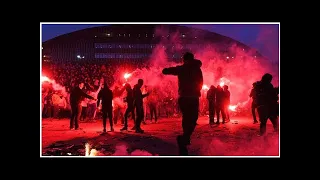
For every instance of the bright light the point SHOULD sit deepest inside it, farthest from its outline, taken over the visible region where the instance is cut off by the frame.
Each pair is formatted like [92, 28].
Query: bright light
[44, 78]
[44, 55]
[232, 108]
[205, 87]
[227, 57]
[232, 57]
[221, 84]
[126, 75]
[108, 34]
[78, 56]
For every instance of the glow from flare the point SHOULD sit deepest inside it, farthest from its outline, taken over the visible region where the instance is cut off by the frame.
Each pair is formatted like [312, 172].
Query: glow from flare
[44, 78]
[92, 152]
[232, 107]
[205, 87]
[127, 75]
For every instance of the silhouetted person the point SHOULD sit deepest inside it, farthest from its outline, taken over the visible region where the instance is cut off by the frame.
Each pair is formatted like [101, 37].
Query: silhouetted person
[152, 102]
[226, 102]
[138, 104]
[266, 103]
[277, 92]
[130, 109]
[76, 96]
[190, 81]
[106, 96]
[254, 103]
[211, 96]
[219, 104]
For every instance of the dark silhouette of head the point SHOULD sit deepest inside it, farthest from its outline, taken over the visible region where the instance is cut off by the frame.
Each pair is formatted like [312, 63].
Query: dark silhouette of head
[188, 56]
[212, 87]
[225, 87]
[140, 82]
[266, 78]
[254, 84]
[127, 86]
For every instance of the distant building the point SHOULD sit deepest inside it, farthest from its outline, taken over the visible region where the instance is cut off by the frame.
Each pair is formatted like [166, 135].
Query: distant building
[127, 42]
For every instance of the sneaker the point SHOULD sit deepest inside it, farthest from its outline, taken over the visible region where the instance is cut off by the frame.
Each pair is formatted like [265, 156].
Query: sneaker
[139, 131]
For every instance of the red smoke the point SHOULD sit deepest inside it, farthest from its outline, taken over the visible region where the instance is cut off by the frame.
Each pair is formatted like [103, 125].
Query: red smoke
[238, 69]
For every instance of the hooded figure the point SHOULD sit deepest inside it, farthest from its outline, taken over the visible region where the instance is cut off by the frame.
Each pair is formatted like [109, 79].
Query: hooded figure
[266, 99]
[190, 81]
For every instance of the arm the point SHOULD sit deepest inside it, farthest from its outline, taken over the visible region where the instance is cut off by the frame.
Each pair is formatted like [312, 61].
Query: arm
[171, 71]
[99, 97]
[86, 95]
[145, 95]
[251, 93]
[64, 103]
[99, 88]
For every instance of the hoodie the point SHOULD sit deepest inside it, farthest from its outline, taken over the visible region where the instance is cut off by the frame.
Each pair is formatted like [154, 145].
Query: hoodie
[190, 79]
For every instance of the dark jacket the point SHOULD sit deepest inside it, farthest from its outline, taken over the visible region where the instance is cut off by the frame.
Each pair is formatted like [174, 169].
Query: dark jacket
[106, 96]
[211, 94]
[137, 95]
[265, 94]
[190, 78]
[226, 97]
[77, 95]
[129, 98]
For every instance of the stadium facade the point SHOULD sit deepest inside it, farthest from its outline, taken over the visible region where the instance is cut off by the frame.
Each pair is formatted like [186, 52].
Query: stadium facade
[120, 42]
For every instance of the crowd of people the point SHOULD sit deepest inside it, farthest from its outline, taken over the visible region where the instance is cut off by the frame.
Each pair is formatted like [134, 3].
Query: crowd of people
[90, 92]
[56, 101]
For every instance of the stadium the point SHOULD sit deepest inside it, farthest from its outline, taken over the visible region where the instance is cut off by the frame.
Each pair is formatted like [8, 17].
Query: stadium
[124, 42]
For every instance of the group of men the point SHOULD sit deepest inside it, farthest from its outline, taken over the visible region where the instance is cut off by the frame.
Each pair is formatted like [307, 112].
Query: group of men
[105, 96]
[190, 81]
[219, 101]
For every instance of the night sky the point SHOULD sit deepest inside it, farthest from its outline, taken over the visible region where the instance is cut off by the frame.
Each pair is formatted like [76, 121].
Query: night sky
[263, 37]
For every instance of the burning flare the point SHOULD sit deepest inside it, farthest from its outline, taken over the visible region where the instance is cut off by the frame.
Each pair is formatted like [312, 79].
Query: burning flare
[44, 78]
[127, 75]
[205, 87]
[92, 152]
[232, 108]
